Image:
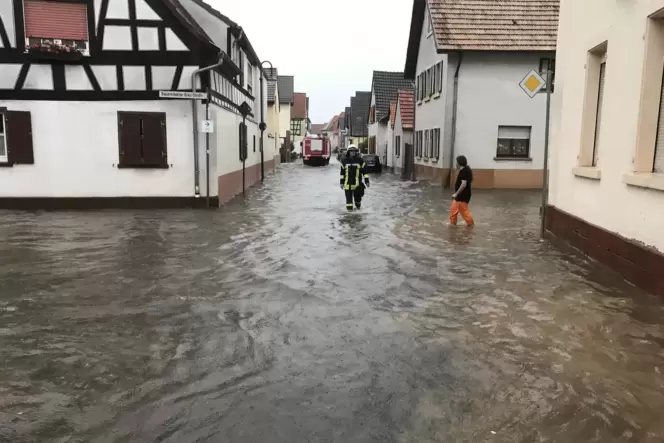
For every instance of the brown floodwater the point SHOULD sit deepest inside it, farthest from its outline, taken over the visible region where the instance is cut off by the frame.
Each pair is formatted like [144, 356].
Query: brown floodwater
[283, 319]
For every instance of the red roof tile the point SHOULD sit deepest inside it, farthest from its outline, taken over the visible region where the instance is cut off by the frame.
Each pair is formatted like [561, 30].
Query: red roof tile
[299, 105]
[406, 108]
[495, 25]
[393, 112]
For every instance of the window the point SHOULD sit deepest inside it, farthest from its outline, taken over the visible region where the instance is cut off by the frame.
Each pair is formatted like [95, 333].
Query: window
[427, 143]
[250, 79]
[3, 143]
[513, 142]
[16, 138]
[60, 24]
[598, 121]
[142, 140]
[418, 144]
[397, 145]
[435, 141]
[658, 161]
[417, 89]
[544, 64]
[593, 100]
[242, 141]
[440, 77]
[296, 127]
[428, 83]
[254, 143]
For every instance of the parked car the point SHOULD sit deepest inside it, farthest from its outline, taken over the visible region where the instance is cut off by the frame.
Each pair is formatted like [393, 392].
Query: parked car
[373, 163]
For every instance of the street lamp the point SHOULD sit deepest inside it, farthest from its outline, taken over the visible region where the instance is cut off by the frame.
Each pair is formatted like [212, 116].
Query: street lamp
[262, 126]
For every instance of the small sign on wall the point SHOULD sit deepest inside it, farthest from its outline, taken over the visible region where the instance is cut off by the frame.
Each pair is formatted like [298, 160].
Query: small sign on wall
[207, 126]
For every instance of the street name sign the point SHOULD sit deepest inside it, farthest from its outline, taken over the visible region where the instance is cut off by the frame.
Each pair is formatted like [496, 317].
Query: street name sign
[183, 95]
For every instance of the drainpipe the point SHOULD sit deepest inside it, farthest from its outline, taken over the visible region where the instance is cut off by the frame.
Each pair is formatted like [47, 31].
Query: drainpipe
[194, 109]
[454, 116]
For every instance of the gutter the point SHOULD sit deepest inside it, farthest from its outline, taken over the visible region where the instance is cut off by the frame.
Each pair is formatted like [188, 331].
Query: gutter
[455, 101]
[194, 109]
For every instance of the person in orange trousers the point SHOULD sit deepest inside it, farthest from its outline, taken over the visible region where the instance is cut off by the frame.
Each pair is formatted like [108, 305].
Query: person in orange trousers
[462, 193]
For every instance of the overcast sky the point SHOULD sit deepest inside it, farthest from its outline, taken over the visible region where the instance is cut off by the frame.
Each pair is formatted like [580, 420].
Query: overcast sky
[330, 47]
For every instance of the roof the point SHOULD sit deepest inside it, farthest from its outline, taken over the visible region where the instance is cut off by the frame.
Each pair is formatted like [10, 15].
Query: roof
[385, 86]
[286, 85]
[393, 112]
[406, 108]
[317, 128]
[485, 25]
[299, 110]
[271, 73]
[359, 110]
[235, 28]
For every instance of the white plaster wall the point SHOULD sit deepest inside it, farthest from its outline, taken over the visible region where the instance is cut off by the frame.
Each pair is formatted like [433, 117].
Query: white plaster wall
[432, 113]
[634, 213]
[116, 9]
[7, 14]
[76, 152]
[284, 118]
[227, 142]
[389, 141]
[489, 96]
[406, 137]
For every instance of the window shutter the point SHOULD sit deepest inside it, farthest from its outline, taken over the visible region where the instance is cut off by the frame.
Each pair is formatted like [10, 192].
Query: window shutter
[658, 162]
[440, 77]
[129, 138]
[600, 100]
[57, 20]
[154, 140]
[19, 137]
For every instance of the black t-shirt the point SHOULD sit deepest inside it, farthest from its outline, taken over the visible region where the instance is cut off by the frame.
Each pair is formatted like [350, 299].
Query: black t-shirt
[464, 174]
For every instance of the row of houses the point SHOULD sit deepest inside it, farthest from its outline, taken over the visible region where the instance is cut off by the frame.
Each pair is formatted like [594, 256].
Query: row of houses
[135, 103]
[460, 94]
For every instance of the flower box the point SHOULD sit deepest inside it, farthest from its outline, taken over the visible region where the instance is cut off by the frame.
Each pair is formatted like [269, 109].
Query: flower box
[54, 51]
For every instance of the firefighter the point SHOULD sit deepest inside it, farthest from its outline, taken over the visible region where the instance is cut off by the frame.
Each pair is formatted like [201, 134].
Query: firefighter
[354, 177]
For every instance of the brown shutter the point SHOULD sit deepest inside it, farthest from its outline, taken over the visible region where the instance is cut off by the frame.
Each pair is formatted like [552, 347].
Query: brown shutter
[19, 137]
[154, 139]
[129, 139]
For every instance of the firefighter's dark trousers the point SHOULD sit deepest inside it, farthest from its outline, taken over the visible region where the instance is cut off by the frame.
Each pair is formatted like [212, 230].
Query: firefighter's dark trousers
[356, 195]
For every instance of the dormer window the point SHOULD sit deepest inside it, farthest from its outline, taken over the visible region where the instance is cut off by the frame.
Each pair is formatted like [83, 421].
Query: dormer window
[56, 27]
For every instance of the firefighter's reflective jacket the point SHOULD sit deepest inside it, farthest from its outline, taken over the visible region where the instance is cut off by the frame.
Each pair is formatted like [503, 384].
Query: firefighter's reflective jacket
[353, 171]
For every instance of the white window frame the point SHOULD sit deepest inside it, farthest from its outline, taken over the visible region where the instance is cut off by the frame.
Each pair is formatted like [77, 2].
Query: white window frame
[3, 135]
[250, 78]
[435, 144]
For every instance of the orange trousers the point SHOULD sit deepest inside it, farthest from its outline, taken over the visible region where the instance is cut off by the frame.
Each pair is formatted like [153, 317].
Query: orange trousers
[460, 207]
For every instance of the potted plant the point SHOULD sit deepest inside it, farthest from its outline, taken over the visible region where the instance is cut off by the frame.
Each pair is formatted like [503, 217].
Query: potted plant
[49, 49]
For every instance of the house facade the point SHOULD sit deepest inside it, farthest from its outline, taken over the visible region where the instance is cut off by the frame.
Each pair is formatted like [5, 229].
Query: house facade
[384, 87]
[298, 120]
[403, 134]
[606, 183]
[467, 70]
[89, 99]
[389, 137]
[273, 132]
[359, 119]
[285, 84]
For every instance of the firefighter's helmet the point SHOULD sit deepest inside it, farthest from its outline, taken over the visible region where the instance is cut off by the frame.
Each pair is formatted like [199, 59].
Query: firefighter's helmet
[352, 150]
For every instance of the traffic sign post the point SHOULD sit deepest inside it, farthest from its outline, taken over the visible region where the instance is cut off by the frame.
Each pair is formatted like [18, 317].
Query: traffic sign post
[532, 84]
[207, 126]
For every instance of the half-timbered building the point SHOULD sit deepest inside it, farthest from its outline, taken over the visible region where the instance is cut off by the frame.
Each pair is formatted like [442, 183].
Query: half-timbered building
[96, 108]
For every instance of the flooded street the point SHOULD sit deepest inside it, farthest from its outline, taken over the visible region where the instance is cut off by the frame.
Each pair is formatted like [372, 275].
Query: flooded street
[283, 319]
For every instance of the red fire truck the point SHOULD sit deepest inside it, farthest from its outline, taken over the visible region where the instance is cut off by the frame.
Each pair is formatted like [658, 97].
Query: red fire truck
[315, 150]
